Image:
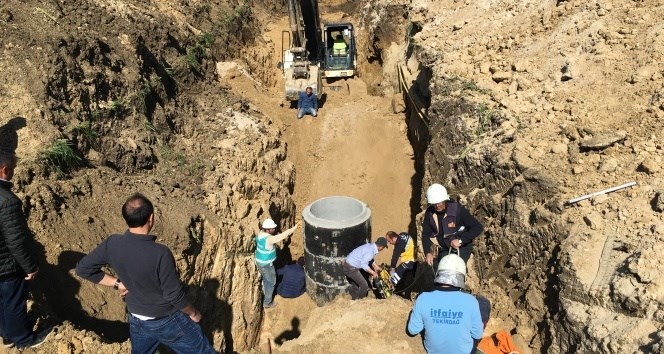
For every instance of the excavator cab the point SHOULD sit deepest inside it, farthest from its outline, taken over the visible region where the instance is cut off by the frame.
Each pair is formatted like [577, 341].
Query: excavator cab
[340, 56]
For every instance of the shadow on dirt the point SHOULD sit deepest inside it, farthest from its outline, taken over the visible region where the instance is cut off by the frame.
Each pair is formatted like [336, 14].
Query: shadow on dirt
[59, 288]
[9, 135]
[217, 313]
[290, 333]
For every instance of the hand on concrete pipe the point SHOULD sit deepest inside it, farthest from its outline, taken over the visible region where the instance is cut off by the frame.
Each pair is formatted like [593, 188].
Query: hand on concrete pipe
[455, 244]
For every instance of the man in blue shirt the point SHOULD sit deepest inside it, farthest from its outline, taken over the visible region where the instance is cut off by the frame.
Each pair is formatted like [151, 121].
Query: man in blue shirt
[360, 259]
[307, 103]
[292, 279]
[450, 319]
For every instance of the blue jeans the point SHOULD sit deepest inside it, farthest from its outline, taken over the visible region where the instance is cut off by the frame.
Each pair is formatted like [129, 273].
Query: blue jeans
[14, 324]
[269, 276]
[302, 111]
[176, 331]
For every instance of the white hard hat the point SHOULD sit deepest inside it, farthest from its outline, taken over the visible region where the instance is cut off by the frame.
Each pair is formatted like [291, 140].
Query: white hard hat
[452, 262]
[269, 224]
[451, 271]
[436, 193]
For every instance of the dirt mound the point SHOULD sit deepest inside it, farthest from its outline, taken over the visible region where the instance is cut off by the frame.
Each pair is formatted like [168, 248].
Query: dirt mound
[364, 326]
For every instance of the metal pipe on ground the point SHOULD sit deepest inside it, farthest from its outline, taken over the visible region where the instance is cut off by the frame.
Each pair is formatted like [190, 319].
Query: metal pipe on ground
[333, 227]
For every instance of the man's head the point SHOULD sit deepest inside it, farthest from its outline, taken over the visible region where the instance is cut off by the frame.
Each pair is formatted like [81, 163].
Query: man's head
[381, 243]
[340, 37]
[269, 226]
[391, 237]
[138, 211]
[7, 164]
[437, 196]
[309, 91]
[300, 261]
[451, 271]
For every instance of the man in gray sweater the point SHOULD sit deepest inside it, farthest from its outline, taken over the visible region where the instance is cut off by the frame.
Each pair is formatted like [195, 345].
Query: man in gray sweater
[158, 309]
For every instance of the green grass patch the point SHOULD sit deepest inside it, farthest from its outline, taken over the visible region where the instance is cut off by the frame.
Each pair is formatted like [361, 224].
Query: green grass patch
[485, 117]
[62, 156]
[84, 130]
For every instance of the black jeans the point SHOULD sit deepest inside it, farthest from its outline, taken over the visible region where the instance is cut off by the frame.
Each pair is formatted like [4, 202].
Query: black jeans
[14, 326]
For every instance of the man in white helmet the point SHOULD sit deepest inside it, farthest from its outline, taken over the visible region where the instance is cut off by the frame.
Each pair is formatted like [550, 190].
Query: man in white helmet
[442, 222]
[265, 255]
[450, 318]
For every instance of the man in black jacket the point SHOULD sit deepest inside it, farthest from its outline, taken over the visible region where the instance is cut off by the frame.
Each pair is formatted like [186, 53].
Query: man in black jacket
[442, 223]
[16, 263]
[158, 309]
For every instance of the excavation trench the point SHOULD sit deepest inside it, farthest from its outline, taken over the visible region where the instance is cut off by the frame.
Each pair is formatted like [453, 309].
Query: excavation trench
[449, 93]
[380, 139]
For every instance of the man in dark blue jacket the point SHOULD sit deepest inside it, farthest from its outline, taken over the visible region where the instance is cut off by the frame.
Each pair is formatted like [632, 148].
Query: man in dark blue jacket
[292, 279]
[17, 265]
[307, 103]
[448, 224]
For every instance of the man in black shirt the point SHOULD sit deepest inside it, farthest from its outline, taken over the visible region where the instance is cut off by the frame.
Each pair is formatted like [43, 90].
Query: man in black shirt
[442, 222]
[158, 309]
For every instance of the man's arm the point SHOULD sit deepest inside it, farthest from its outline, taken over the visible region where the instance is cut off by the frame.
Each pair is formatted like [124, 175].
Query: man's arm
[427, 232]
[315, 101]
[415, 323]
[171, 287]
[89, 267]
[476, 325]
[299, 101]
[280, 237]
[398, 250]
[367, 257]
[169, 279]
[17, 235]
[473, 227]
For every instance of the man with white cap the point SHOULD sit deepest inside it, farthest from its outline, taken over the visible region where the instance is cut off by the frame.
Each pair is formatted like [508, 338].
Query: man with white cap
[265, 255]
[443, 223]
[450, 319]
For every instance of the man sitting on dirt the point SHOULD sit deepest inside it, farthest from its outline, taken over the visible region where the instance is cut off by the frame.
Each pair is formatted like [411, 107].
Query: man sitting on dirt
[403, 251]
[158, 309]
[293, 282]
[360, 259]
[442, 222]
[265, 255]
[307, 103]
[450, 319]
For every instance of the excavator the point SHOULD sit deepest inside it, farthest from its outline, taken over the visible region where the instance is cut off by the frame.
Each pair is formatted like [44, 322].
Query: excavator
[311, 53]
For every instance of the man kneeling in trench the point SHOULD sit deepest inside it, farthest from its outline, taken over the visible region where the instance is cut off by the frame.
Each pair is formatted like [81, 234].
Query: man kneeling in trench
[358, 260]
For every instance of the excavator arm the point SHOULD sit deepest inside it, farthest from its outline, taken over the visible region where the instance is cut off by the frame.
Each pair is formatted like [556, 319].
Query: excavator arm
[300, 60]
